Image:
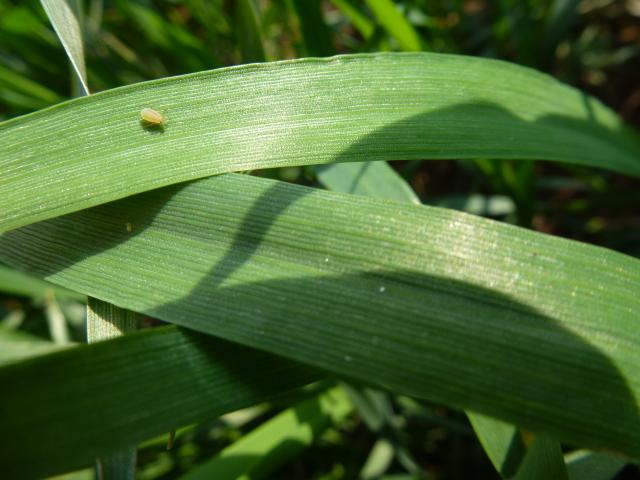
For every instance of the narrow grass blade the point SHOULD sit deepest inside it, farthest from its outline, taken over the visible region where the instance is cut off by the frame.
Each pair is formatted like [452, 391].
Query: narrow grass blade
[532, 329]
[501, 442]
[478, 204]
[378, 461]
[388, 15]
[64, 18]
[58, 328]
[373, 179]
[62, 410]
[560, 18]
[39, 95]
[506, 449]
[585, 465]
[16, 345]
[349, 108]
[352, 10]
[277, 441]
[248, 32]
[316, 37]
[15, 282]
[543, 460]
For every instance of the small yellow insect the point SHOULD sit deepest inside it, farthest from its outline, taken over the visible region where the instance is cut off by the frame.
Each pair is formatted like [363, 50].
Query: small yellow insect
[152, 117]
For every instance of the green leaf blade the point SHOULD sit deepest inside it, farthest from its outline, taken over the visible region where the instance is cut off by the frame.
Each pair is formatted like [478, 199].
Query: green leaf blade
[341, 109]
[66, 408]
[278, 440]
[373, 179]
[63, 15]
[393, 21]
[528, 328]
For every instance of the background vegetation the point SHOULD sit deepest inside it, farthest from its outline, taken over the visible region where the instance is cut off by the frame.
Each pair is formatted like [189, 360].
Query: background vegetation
[363, 433]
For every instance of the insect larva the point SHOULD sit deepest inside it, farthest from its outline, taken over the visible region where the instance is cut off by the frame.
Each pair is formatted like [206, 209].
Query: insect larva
[152, 117]
[129, 227]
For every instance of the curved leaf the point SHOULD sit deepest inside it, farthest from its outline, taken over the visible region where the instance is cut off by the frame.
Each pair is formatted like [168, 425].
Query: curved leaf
[373, 179]
[16, 345]
[543, 460]
[501, 442]
[17, 283]
[276, 441]
[64, 409]
[348, 108]
[393, 21]
[64, 18]
[584, 465]
[532, 329]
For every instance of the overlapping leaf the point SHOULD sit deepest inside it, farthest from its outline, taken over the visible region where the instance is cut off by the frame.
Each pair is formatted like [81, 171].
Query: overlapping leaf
[348, 108]
[532, 329]
[64, 409]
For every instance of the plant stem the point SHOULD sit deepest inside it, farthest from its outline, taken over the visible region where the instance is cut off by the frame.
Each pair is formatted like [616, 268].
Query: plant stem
[105, 321]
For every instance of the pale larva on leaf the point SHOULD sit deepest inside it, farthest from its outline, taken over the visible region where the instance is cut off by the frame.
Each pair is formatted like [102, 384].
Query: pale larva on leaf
[152, 117]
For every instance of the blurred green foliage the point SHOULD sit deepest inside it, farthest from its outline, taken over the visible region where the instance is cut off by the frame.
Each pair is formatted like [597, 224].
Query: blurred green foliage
[592, 44]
